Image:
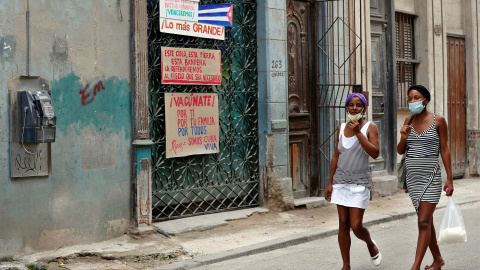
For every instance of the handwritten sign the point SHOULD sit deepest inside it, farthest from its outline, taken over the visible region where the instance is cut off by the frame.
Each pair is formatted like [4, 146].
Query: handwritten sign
[191, 66]
[179, 10]
[191, 124]
[194, 29]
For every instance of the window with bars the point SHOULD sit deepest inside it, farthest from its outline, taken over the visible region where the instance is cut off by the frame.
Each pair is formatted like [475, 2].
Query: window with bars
[405, 54]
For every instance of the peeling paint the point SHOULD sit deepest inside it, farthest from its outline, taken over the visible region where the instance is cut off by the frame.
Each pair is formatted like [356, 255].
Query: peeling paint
[7, 47]
[60, 49]
[110, 113]
[276, 199]
[117, 226]
[53, 239]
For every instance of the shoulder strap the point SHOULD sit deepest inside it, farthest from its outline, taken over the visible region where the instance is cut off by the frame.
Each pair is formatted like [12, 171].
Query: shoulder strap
[342, 128]
[411, 119]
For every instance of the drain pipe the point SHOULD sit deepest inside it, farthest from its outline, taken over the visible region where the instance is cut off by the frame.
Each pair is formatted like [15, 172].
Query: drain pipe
[28, 38]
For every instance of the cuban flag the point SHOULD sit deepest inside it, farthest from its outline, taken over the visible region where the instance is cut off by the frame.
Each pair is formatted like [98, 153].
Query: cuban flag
[220, 14]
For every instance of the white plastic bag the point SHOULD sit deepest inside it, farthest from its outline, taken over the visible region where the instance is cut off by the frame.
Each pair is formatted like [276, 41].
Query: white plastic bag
[452, 228]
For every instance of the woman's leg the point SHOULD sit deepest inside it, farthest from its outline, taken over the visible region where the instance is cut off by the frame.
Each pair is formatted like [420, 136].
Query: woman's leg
[425, 221]
[344, 240]
[356, 222]
[433, 245]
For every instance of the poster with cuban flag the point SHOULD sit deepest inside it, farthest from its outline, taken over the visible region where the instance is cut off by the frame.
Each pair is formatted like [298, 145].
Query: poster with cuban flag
[220, 14]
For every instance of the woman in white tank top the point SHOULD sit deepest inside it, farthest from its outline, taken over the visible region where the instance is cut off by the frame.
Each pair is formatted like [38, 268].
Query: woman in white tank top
[350, 180]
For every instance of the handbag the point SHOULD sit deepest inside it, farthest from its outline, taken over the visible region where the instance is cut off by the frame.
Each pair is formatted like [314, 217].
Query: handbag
[452, 228]
[402, 169]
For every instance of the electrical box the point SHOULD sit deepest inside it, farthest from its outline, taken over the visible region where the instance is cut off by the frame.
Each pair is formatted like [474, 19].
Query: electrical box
[37, 117]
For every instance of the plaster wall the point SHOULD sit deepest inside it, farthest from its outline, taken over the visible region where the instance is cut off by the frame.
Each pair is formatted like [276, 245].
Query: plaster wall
[83, 48]
[436, 20]
[272, 103]
[406, 6]
[454, 17]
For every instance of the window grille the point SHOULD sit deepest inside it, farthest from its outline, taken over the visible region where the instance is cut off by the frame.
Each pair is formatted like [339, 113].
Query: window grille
[405, 54]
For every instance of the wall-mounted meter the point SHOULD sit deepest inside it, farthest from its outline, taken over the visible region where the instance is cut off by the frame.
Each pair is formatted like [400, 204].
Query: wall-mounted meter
[37, 117]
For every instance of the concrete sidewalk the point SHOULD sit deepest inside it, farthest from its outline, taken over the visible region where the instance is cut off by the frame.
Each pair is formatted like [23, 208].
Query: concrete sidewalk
[212, 238]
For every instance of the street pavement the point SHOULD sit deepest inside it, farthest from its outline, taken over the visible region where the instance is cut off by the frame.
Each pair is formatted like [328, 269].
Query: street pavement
[396, 240]
[207, 240]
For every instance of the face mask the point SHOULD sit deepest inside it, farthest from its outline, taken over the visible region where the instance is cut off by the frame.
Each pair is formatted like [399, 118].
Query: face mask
[416, 107]
[354, 117]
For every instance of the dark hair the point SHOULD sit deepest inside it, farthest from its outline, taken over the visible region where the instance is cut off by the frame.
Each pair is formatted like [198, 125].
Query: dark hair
[421, 89]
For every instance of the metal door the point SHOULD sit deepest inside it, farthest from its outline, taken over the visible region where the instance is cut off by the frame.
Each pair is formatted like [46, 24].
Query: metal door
[378, 26]
[301, 93]
[227, 180]
[339, 72]
[456, 104]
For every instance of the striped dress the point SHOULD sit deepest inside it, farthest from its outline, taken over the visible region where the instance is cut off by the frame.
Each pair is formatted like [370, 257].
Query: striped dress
[424, 180]
[352, 180]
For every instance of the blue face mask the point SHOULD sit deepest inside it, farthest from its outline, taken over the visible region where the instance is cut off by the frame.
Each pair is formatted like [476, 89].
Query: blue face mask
[416, 107]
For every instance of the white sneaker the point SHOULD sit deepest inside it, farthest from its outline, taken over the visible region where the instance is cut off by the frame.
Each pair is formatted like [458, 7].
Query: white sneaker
[377, 259]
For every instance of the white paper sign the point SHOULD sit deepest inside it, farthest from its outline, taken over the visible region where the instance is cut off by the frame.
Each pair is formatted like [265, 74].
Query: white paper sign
[191, 124]
[193, 29]
[179, 10]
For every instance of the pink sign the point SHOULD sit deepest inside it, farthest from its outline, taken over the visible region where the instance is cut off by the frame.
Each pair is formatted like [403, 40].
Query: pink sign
[191, 66]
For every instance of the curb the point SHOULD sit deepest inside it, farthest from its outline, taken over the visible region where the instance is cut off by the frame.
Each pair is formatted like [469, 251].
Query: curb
[287, 241]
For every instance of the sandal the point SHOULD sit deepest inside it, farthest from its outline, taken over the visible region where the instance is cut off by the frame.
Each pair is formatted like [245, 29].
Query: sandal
[377, 259]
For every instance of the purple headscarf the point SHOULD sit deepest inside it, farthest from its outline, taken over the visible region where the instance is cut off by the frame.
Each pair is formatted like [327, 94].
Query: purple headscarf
[359, 95]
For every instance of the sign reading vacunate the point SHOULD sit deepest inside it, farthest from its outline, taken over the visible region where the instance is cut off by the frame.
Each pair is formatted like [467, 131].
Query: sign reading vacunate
[191, 124]
[191, 66]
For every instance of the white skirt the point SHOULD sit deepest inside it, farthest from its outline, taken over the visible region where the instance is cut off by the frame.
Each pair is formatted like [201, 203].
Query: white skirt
[350, 195]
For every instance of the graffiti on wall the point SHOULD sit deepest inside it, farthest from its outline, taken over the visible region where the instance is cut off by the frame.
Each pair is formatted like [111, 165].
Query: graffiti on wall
[87, 95]
[29, 162]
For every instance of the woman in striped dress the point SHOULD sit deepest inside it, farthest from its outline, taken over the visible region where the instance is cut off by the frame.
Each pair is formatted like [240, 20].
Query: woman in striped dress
[350, 178]
[424, 139]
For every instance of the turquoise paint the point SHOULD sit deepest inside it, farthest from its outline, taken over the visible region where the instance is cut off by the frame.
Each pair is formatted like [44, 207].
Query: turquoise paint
[143, 153]
[109, 110]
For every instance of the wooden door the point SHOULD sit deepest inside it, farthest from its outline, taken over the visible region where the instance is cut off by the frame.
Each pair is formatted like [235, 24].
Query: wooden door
[301, 89]
[456, 104]
[379, 58]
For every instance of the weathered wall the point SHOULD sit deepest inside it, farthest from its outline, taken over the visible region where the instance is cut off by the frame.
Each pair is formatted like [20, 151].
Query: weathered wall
[79, 46]
[436, 20]
[272, 102]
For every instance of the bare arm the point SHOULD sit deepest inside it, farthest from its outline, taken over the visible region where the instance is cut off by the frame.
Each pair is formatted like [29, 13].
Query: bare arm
[371, 145]
[445, 153]
[404, 133]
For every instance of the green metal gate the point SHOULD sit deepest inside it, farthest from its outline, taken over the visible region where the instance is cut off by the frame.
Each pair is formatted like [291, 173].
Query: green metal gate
[200, 184]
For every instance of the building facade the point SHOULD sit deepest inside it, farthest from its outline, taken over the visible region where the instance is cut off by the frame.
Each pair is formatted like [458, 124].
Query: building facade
[287, 67]
[81, 54]
[438, 48]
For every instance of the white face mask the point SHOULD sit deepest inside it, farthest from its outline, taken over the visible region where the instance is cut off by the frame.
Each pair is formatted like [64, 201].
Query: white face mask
[354, 117]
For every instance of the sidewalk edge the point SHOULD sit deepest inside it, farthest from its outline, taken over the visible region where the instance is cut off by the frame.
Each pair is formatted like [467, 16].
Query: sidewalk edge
[286, 241]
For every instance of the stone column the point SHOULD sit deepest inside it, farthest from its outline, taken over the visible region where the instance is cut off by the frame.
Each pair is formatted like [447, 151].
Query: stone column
[272, 104]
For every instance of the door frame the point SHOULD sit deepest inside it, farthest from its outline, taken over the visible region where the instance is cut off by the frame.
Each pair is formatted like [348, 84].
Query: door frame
[311, 172]
[391, 95]
[459, 172]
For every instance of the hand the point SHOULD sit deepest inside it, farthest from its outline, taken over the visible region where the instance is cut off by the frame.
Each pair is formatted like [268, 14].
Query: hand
[354, 126]
[405, 131]
[328, 193]
[448, 188]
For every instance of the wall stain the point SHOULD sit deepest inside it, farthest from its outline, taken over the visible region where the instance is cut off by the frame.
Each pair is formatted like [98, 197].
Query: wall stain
[110, 113]
[60, 49]
[7, 50]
